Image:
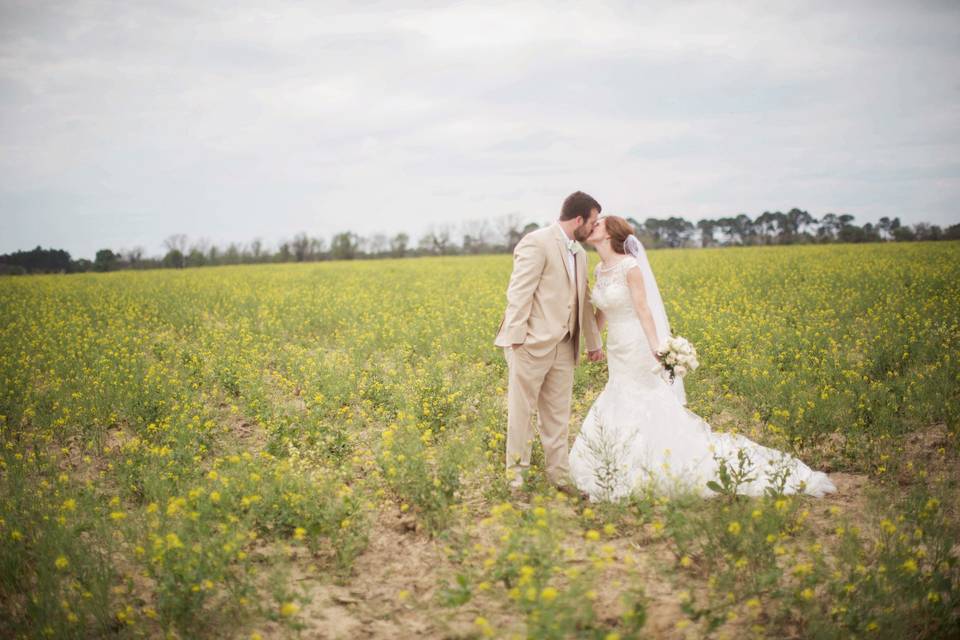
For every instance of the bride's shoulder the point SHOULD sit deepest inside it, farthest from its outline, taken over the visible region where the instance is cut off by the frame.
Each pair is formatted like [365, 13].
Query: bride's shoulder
[631, 270]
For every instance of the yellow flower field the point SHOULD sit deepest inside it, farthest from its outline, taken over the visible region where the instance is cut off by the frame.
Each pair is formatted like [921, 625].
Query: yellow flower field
[316, 450]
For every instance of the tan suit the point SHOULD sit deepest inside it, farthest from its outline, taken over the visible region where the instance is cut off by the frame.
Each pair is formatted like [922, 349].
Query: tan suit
[547, 310]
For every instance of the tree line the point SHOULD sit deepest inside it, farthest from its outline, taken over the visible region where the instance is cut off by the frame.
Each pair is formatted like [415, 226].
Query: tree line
[480, 237]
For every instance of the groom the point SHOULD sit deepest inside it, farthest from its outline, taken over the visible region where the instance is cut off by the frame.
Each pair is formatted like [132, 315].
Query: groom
[548, 307]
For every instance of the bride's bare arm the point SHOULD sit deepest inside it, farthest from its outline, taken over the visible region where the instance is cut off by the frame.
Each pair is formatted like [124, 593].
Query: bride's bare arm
[638, 294]
[597, 313]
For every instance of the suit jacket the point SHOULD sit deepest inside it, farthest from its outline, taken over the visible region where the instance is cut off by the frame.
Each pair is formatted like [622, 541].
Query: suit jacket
[541, 293]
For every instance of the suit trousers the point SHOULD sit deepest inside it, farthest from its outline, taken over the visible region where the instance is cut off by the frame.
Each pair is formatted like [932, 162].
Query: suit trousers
[544, 383]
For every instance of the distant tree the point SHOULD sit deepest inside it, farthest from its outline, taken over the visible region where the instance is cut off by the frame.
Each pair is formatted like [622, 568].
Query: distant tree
[738, 230]
[471, 245]
[436, 241]
[926, 231]
[510, 230]
[256, 249]
[134, 256]
[300, 246]
[883, 227]
[378, 244]
[724, 227]
[232, 255]
[443, 239]
[176, 241]
[903, 234]
[829, 227]
[38, 260]
[795, 223]
[670, 232]
[363, 246]
[532, 226]
[174, 259]
[200, 254]
[425, 243]
[105, 260]
[769, 226]
[848, 232]
[482, 236]
[344, 246]
[680, 232]
[398, 245]
[729, 227]
[318, 249]
[871, 233]
[652, 228]
[855, 233]
[478, 237]
[707, 228]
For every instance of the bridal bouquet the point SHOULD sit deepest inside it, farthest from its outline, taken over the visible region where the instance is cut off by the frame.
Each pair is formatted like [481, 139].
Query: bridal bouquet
[677, 358]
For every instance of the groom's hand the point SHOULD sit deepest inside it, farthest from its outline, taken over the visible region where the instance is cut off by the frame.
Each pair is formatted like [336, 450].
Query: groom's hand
[596, 355]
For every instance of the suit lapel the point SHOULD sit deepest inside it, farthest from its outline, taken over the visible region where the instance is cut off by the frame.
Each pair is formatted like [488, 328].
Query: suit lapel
[562, 246]
[581, 259]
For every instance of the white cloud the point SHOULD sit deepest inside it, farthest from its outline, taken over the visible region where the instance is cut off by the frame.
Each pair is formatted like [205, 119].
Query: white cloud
[123, 123]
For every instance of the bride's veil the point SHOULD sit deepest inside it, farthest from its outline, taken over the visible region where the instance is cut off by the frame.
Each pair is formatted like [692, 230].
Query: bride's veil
[633, 247]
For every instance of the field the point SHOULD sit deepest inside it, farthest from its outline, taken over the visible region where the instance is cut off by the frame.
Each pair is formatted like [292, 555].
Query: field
[316, 450]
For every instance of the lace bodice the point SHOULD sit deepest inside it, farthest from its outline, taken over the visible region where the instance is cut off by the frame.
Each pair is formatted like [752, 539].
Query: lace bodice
[611, 294]
[629, 356]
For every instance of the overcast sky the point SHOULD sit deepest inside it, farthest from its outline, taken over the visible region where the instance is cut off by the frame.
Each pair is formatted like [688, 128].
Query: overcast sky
[124, 122]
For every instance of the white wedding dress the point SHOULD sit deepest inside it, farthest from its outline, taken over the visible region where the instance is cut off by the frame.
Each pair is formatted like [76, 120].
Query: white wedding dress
[638, 432]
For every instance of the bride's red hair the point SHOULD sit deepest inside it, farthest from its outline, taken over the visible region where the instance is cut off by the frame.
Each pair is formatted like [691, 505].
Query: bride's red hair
[619, 230]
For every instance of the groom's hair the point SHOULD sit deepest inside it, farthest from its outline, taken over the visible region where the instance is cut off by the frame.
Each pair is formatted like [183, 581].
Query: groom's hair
[578, 204]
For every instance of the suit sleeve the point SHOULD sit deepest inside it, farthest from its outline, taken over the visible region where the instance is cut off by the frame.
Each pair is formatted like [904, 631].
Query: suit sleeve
[528, 264]
[591, 332]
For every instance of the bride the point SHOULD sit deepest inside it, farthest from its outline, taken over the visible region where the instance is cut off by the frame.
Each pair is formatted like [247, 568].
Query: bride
[638, 431]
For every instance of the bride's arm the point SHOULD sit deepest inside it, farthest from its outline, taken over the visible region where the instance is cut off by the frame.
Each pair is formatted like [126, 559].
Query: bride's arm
[598, 313]
[638, 294]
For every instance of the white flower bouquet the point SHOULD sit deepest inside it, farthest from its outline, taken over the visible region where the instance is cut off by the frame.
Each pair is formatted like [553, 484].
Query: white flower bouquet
[677, 358]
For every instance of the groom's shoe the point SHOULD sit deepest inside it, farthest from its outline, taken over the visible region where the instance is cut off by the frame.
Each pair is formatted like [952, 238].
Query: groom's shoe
[518, 494]
[571, 491]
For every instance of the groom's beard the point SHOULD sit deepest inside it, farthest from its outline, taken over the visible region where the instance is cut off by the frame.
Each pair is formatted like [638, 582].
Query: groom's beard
[581, 233]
